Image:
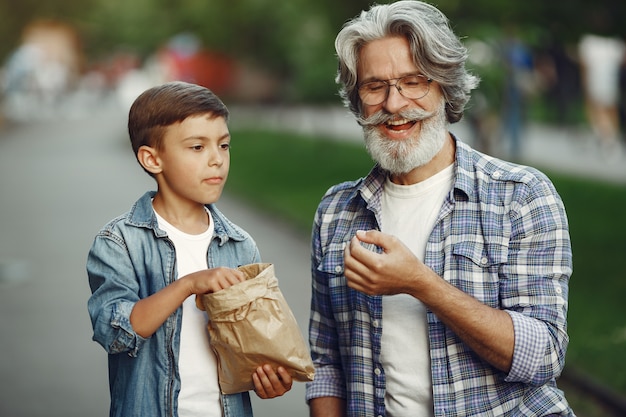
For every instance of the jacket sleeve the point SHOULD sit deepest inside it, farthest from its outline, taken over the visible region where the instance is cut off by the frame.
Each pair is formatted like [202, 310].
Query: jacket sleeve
[115, 290]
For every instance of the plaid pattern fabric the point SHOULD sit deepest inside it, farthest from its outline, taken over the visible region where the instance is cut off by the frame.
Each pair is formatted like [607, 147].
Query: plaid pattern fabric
[502, 237]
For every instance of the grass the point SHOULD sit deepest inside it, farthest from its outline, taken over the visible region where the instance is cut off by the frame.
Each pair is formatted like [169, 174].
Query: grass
[597, 315]
[287, 174]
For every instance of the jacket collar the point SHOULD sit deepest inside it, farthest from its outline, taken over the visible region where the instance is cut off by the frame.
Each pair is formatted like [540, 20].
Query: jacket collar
[142, 215]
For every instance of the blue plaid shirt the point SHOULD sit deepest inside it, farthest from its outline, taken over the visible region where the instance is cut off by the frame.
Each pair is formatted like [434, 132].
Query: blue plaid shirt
[502, 237]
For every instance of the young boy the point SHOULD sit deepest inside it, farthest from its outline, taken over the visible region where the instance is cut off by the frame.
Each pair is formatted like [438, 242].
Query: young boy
[146, 266]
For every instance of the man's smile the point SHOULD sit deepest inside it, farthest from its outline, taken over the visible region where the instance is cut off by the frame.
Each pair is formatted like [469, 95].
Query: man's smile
[400, 124]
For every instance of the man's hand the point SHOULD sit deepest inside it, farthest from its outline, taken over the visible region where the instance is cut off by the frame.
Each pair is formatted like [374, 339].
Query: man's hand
[394, 271]
[488, 331]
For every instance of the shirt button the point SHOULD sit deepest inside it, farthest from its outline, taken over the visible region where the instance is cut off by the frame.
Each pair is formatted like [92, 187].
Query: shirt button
[338, 269]
[375, 323]
[497, 174]
[484, 261]
[377, 372]
[558, 290]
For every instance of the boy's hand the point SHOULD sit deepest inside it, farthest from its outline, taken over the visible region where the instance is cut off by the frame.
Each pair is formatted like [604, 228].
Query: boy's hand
[212, 280]
[150, 313]
[269, 384]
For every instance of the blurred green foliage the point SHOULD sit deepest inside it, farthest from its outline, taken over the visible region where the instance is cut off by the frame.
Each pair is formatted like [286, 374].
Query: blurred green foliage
[293, 40]
[597, 327]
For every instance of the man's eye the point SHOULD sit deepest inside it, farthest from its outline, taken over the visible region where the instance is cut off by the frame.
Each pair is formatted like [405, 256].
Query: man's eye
[412, 81]
[373, 88]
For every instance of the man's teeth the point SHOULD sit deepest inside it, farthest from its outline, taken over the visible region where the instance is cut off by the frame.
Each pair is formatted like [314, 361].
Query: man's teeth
[397, 122]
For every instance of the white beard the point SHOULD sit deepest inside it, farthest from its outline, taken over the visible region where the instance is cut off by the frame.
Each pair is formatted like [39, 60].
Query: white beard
[400, 157]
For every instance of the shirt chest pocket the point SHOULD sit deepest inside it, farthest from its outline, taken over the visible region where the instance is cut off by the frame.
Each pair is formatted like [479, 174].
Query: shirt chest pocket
[349, 306]
[482, 254]
[331, 264]
[476, 268]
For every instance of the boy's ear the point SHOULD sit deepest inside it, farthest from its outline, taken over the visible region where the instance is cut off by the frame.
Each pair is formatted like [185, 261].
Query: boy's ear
[149, 159]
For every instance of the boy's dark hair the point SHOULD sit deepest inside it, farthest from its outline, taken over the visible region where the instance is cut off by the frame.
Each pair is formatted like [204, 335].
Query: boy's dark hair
[159, 107]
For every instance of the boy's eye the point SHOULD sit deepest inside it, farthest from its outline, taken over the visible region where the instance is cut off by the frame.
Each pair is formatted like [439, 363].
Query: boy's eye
[225, 146]
[197, 147]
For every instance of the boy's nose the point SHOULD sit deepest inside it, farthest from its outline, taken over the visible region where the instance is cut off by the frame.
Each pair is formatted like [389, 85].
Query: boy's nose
[216, 159]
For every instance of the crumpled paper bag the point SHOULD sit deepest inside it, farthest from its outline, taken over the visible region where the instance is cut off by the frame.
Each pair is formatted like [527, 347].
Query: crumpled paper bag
[250, 324]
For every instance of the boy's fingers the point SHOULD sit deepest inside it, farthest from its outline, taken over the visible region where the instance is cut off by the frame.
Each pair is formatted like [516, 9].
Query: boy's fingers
[199, 302]
[236, 276]
[258, 386]
[265, 375]
[285, 377]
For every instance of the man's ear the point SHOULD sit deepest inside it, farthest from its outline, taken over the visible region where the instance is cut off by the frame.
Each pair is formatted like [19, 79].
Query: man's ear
[149, 159]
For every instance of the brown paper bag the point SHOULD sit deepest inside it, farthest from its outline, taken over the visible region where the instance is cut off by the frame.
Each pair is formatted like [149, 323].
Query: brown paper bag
[250, 324]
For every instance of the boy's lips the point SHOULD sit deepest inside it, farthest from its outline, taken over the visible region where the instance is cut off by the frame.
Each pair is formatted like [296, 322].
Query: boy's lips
[214, 180]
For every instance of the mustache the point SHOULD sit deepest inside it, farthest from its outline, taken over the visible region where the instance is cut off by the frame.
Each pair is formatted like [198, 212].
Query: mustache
[381, 117]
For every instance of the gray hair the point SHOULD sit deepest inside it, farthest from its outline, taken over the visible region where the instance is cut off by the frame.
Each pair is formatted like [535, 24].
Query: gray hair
[437, 51]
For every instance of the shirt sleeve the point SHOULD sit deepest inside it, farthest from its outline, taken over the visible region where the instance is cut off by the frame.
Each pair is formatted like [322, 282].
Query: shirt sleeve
[535, 290]
[323, 339]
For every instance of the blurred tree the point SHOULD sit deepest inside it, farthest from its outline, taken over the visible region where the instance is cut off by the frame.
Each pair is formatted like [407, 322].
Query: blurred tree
[292, 40]
[15, 15]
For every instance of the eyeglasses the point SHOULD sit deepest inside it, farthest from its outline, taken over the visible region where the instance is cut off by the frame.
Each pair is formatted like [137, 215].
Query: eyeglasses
[412, 87]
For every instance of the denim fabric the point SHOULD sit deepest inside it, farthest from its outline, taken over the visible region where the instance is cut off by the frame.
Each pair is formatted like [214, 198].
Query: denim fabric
[130, 259]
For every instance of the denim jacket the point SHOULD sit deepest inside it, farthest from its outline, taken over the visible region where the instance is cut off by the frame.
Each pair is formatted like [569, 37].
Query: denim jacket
[130, 259]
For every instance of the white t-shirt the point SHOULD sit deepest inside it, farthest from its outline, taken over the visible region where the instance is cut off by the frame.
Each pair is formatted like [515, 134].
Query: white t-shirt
[409, 212]
[199, 394]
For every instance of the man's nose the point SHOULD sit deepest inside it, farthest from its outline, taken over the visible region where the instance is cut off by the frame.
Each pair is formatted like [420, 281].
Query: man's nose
[395, 100]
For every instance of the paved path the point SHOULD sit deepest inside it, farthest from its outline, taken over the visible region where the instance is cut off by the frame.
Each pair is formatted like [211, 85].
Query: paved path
[60, 181]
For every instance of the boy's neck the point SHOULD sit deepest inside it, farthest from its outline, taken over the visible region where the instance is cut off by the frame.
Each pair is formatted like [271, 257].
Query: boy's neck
[191, 219]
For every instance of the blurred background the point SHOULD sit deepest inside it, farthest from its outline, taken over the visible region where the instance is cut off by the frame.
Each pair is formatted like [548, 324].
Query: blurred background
[258, 51]
[553, 92]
